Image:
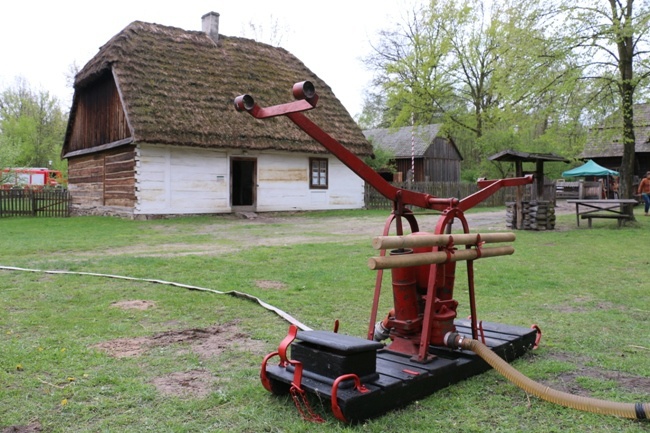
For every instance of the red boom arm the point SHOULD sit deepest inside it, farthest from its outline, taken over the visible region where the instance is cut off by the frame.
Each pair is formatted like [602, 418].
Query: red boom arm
[307, 98]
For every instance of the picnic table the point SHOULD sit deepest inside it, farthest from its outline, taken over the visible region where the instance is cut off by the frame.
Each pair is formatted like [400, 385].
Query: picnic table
[609, 209]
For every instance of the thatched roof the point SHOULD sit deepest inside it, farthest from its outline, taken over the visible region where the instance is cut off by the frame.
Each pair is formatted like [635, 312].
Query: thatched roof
[401, 140]
[178, 87]
[606, 141]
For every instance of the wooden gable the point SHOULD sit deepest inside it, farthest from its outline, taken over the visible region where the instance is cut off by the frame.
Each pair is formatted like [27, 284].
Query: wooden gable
[97, 119]
[432, 157]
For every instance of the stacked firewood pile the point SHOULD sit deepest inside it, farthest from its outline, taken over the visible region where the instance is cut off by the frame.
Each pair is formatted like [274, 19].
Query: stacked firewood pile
[536, 215]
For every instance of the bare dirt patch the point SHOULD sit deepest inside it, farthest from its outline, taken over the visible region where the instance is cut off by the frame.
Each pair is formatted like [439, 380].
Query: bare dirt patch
[31, 428]
[268, 284]
[168, 250]
[134, 305]
[124, 347]
[568, 382]
[205, 342]
[195, 383]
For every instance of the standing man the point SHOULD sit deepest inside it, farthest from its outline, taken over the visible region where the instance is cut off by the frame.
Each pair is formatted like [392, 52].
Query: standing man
[644, 190]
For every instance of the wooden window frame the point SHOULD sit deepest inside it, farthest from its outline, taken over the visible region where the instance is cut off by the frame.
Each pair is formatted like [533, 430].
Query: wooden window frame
[318, 184]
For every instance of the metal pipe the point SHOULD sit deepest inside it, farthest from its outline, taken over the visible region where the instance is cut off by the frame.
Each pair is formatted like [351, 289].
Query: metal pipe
[472, 298]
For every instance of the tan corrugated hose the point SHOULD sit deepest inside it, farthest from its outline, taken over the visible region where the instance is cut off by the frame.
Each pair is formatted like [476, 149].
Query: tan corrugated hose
[587, 404]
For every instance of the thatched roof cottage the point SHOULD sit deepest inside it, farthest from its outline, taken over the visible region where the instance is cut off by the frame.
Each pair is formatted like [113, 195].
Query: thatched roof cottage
[153, 131]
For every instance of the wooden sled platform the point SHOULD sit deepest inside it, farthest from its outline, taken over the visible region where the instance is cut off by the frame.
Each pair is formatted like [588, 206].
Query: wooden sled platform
[389, 380]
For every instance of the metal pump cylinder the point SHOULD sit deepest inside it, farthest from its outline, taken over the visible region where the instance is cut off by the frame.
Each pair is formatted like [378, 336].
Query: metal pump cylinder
[405, 296]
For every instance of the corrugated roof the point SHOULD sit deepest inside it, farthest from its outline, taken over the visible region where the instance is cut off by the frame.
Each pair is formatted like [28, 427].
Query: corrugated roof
[178, 87]
[399, 140]
[606, 141]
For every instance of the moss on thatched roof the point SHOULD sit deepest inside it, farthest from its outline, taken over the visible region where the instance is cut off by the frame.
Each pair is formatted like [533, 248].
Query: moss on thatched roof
[178, 87]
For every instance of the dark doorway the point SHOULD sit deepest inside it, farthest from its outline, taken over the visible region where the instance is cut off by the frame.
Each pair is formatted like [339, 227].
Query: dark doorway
[242, 176]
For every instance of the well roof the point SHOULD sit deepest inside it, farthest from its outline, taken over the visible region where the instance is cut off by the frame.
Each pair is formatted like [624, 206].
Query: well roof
[178, 87]
[510, 155]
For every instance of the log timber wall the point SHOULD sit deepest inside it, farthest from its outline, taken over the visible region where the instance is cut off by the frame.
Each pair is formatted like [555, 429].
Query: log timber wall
[103, 183]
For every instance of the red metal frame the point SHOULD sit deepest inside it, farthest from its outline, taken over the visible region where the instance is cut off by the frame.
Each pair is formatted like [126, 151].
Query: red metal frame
[358, 386]
[433, 310]
[297, 393]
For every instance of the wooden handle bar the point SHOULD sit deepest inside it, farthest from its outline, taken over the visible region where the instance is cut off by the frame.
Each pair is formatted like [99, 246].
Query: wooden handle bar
[406, 260]
[393, 242]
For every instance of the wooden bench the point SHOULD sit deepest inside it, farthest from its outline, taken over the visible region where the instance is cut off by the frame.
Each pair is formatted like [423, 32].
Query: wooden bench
[619, 217]
[611, 208]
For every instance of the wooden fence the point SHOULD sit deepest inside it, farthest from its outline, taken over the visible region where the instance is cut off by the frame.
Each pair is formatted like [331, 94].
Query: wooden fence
[25, 202]
[460, 190]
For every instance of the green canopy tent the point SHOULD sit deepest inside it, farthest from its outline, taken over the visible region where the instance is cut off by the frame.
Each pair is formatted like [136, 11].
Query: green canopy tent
[590, 168]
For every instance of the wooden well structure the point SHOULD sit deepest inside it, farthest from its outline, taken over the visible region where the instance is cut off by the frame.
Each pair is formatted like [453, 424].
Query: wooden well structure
[518, 158]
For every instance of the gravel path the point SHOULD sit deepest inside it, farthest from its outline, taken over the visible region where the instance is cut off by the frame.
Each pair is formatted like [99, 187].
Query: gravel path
[229, 234]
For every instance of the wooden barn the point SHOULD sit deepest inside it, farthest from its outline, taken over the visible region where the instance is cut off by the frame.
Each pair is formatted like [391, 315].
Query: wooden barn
[436, 158]
[605, 145]
[153, 131]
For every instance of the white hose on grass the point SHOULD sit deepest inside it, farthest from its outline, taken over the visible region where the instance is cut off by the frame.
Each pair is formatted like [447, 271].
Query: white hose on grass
[234, 293]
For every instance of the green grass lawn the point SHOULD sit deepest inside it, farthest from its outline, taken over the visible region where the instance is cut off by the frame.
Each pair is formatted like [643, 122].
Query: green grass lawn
[588, 289]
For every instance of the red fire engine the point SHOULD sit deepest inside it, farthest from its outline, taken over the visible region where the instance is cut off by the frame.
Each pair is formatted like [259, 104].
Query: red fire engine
[35, 178]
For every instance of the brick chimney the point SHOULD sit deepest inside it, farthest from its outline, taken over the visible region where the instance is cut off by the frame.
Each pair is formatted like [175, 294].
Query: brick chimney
[210, 23]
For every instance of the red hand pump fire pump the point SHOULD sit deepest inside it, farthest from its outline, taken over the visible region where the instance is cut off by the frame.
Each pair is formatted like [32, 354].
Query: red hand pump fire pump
[364, 378]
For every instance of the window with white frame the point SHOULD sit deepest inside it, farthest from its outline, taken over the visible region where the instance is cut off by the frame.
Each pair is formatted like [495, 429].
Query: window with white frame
[318, 171]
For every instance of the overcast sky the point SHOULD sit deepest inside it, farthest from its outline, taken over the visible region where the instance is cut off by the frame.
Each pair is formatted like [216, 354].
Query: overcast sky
[41, 39]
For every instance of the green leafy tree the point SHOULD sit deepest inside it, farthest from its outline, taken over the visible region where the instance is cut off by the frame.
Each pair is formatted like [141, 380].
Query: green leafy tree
[32, 127]
[373, 114]
[382, 160]
[611, 41]
[490, 74]
[411, 66]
